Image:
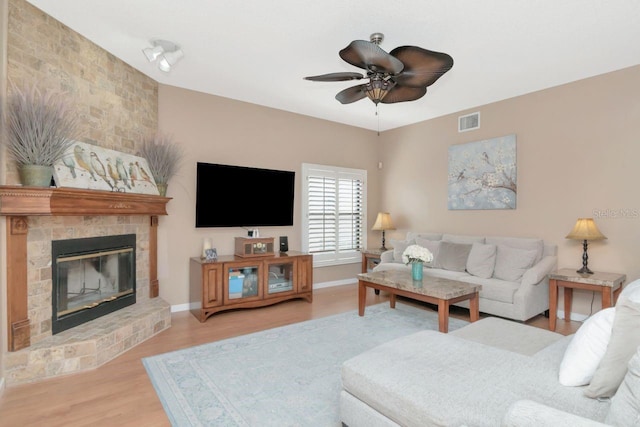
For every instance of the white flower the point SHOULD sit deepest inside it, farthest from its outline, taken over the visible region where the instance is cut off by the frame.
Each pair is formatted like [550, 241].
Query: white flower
[415, 253]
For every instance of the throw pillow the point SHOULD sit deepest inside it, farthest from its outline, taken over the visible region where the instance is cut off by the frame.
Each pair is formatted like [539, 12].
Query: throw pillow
[625, 405]
[452, 256]
[520, 243]
[624, 342]
[432, 245]
[398, 248]
[482, 260]
[586, 349]
[511, 263]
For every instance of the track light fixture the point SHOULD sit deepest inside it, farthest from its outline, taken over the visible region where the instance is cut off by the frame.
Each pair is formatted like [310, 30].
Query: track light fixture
[165, 52]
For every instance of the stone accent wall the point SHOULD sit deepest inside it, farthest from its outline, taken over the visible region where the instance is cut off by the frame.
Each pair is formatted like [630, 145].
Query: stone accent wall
[118, 108]
[43, 230]
[117, 105]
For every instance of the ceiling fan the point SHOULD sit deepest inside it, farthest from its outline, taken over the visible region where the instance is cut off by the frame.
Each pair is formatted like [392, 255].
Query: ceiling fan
[398, 76]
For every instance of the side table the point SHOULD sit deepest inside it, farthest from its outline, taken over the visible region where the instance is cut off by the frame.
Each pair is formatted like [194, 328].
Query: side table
[371, 258]
[608, 284]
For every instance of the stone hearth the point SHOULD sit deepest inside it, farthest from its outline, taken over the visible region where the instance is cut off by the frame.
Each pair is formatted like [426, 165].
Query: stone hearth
[89, 345]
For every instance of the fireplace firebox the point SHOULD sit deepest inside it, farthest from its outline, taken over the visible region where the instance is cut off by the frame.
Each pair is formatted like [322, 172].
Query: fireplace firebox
[91, 277]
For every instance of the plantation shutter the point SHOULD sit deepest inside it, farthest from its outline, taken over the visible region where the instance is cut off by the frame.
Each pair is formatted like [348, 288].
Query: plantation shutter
[334, 214]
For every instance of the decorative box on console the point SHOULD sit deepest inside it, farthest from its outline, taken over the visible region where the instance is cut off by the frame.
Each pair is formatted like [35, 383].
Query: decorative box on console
[254, 246]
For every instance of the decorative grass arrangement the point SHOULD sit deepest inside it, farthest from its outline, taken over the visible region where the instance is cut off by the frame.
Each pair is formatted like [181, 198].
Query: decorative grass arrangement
[39, 126]
[163, 156]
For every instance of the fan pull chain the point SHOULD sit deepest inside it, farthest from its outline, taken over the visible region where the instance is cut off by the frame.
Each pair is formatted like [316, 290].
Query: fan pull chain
[378, 117]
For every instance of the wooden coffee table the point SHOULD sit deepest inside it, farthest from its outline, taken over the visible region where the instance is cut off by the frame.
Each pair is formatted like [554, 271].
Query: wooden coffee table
[434, 290]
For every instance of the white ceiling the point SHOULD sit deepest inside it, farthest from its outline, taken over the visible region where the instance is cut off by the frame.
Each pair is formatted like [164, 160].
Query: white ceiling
[258, 51]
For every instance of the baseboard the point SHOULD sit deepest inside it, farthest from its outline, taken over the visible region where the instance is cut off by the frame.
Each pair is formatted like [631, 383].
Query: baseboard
[578, 317]
[1, 386]
[180, 307]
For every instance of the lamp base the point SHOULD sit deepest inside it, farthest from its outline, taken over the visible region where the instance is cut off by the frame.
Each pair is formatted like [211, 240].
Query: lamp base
[585, 260]
[584, 270]
[383, 247]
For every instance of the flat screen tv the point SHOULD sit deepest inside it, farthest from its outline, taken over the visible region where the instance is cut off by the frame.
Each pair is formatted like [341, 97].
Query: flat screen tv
[238, 196]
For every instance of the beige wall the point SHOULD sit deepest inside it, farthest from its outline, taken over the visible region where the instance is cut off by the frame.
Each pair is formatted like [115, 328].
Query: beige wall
[219, 130]
[578, 147]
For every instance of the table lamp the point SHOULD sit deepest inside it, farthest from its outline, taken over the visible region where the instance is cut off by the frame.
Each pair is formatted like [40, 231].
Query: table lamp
[383, 222]
[585, 230]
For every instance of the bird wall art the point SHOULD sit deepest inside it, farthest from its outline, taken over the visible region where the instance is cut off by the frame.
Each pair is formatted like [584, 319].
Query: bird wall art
[92, 167]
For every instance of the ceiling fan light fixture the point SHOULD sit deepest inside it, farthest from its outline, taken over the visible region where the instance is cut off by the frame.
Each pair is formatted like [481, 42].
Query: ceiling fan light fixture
[405, 72]
[377, 89]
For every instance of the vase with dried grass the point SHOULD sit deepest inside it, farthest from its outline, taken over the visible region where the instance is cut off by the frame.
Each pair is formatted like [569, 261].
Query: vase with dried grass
[40, 127]
[163, 156]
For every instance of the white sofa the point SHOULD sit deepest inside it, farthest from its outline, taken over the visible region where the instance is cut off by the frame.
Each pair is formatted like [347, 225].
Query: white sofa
[512, 271]
[498, 372]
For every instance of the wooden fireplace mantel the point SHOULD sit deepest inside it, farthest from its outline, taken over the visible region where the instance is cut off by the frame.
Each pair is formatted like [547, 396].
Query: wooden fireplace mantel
[17, 203]
[24, 201]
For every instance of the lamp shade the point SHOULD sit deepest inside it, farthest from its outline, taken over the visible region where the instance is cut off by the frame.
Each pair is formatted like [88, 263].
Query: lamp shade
[585, 229]
[383, 222]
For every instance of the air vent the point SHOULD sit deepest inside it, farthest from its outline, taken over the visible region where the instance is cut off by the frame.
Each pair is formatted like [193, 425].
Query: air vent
[469, 122]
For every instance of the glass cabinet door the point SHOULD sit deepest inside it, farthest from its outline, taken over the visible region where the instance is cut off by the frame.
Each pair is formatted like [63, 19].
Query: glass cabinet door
[243, 282]
[280, 277]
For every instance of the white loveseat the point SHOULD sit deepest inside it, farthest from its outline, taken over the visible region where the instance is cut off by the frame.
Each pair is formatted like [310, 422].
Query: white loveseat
[512, 271]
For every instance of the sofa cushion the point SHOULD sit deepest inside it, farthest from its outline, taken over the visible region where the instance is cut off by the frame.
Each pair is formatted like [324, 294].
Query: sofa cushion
[587, 348]
[631, 288]
[508, 335]
[432, 245]
[481, 260]
[625, 405]
[520, 243]
[494, 289]
[624, 342]
[452, 256]
[412, 235]
[511, 263]
[458, 238]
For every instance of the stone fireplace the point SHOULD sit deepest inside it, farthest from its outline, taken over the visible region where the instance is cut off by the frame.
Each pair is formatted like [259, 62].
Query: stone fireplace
[44, 226]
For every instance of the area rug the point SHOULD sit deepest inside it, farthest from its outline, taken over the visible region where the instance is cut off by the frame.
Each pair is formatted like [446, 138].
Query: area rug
[286, 376]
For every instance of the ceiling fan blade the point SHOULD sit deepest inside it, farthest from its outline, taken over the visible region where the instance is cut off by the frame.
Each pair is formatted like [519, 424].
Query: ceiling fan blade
[403, 93]
[351, 94]
[335, 77]
[369, 56]
[422, 67]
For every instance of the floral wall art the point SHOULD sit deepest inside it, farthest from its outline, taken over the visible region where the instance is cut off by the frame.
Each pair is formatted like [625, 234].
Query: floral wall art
[91, 167]
[482, 174]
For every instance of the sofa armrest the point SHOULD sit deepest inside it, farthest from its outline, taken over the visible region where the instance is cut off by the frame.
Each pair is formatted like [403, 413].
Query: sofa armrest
[540, 271]
[527, 413]
[386, 256]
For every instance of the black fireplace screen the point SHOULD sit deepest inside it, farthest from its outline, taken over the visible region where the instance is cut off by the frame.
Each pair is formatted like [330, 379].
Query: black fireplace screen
[91, 277]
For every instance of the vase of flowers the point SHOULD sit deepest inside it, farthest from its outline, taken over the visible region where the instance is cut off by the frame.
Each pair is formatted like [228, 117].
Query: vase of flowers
[163, 156]
[416, 255]
[40, 127]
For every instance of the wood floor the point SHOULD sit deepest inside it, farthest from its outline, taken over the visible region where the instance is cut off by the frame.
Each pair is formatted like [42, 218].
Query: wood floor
[119, 393]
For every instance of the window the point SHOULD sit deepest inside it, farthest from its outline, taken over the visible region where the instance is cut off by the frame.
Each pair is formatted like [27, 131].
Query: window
[334, 213]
